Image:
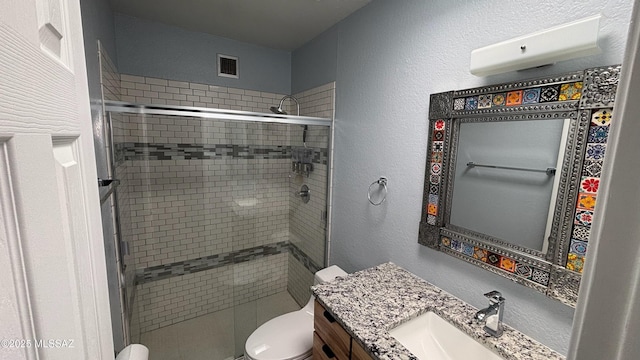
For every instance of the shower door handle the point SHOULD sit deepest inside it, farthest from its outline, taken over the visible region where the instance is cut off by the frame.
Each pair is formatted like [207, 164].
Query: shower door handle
[107, 182]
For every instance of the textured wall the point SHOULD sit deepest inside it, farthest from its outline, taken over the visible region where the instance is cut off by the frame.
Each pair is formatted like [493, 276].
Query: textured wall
[151, 49]
[315, 63]
[391, 56]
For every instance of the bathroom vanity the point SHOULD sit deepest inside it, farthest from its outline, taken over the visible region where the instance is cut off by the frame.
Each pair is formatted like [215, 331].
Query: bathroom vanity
[354, 316]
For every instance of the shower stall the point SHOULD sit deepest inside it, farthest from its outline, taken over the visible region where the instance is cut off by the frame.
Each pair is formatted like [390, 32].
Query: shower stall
[221, 219]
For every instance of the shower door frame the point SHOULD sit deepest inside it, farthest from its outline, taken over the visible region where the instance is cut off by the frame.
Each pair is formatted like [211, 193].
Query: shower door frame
[218, 114]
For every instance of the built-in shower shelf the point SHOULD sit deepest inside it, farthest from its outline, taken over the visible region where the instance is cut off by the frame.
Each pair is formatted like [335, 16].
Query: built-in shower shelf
[246, 206]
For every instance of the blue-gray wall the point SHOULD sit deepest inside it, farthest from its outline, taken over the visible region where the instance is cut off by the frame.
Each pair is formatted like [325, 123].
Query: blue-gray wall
[97, 24]
[390, 56]
[316, 62]
[152, 49]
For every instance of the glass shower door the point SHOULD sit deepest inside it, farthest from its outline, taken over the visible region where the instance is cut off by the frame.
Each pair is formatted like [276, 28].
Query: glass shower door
[260, 223]
[279, 235]
[220, 240]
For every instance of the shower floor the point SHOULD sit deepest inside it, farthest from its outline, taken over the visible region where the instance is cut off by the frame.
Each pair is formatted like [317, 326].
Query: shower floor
[211, 336]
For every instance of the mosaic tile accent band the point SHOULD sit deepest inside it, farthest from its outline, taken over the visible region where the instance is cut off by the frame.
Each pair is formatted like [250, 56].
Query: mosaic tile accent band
[304, 259]
[589, 185]
[180, 268]
[147, 151]
[504, 263]
[120, 151]
[570, 91]
[439, 128]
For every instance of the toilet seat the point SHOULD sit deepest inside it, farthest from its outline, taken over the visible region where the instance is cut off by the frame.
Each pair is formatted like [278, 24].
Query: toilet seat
[286, 337]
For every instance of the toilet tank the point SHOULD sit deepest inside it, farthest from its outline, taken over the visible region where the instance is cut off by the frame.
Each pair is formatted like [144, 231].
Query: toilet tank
[328, 274]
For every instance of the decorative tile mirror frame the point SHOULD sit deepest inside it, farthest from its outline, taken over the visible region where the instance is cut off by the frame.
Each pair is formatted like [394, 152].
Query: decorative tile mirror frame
[586, 98]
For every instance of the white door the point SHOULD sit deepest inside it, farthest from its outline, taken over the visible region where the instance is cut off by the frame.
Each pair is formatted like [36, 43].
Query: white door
[606, 324]
[53, 286]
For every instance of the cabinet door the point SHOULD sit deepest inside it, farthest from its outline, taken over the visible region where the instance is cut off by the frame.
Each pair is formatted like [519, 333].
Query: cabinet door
[358, 352]
[331, 333]
[322, 351]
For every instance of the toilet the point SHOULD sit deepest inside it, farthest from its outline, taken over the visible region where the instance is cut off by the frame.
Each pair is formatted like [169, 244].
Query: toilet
[288, 336]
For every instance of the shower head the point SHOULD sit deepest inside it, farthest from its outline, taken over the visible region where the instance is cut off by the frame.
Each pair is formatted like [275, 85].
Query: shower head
[278, 110]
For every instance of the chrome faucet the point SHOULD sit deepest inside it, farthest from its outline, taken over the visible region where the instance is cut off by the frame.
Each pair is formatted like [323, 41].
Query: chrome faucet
[492, 315]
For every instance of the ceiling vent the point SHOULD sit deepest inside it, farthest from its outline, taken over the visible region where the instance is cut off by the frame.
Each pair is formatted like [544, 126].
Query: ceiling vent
[228, 66]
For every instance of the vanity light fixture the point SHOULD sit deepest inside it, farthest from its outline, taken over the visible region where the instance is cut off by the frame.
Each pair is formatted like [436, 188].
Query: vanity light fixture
[563, 42]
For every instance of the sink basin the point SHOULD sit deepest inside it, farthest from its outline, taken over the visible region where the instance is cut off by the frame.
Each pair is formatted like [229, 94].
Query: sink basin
[429, 337]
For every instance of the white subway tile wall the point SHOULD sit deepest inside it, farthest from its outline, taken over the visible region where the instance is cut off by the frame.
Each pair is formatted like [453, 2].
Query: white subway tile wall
[165, 302]
[153, 91]
[318, 102]
[306, 222]
[109, 76]
[169, 301]
[258, 278]
[185, 209]
[299, 281]
[198, 187]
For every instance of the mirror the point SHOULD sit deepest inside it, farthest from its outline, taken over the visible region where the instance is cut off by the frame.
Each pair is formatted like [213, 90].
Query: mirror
[505, 182]
[512, 173]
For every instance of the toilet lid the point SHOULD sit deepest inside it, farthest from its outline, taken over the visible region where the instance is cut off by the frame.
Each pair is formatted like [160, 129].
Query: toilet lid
[286, 337]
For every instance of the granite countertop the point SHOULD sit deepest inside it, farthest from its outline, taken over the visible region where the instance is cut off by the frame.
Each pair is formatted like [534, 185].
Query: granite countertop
[370, 302]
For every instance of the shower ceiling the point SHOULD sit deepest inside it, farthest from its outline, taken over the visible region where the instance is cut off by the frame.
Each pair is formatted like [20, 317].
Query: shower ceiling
[279, 24]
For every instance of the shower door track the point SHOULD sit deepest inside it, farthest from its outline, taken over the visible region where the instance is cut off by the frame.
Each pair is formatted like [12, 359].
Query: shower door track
[212, 113]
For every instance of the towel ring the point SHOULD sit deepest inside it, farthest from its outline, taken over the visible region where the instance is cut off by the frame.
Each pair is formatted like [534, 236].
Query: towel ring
[382, 182]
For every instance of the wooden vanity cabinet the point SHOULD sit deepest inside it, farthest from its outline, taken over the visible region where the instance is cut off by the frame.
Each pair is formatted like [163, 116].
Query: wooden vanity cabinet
[358, 353]
[336, 343]
[331, 341]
